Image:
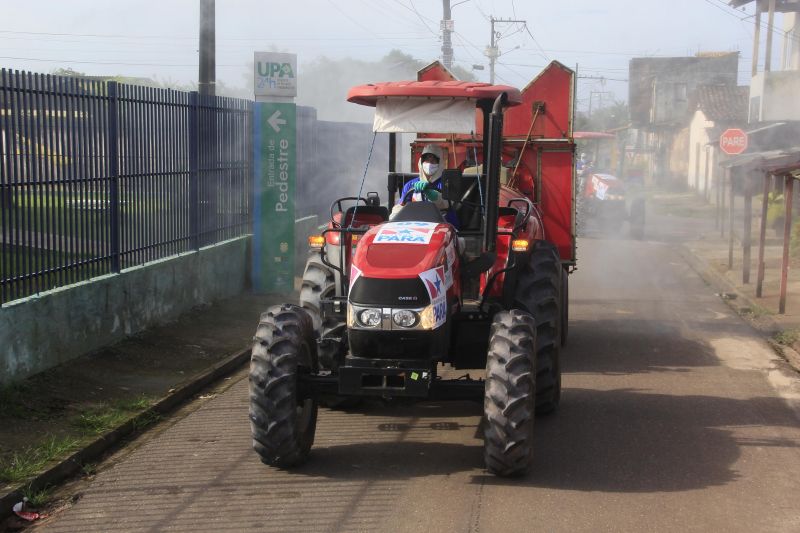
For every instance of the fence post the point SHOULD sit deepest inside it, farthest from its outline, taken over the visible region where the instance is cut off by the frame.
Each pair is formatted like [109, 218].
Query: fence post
[194, 165]
[113, 172]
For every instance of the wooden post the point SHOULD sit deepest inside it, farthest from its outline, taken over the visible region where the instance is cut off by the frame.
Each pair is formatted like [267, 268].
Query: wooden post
[730, 221]
[762, 235]
[706, 196]
[718, 207]
[787, 236]
[726, 176]
[747, 230]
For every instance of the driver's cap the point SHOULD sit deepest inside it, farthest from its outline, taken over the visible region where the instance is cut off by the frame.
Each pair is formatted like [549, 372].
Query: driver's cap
[433, 150]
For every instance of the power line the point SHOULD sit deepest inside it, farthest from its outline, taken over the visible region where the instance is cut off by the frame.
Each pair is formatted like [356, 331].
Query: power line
[536, 42]
[115, 63]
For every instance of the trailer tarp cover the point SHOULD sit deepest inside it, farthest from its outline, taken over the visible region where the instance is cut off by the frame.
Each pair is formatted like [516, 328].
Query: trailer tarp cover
[445, 115]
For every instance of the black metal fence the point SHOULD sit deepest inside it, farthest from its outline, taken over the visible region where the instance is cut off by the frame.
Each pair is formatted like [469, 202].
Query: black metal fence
[98, 176]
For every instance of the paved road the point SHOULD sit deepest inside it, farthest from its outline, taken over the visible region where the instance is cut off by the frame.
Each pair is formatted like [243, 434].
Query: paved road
[675, 417]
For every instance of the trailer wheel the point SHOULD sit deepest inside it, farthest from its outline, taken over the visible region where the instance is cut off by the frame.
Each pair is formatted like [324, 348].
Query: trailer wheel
[319, 283]
[282, 418]
[539, 293]
[510, 393]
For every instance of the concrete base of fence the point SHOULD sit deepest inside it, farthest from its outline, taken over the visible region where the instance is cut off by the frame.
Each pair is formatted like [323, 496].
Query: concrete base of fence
[42, 331]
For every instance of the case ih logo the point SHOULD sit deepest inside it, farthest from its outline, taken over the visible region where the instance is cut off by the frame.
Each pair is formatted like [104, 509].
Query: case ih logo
[405, 232]
[733, 141]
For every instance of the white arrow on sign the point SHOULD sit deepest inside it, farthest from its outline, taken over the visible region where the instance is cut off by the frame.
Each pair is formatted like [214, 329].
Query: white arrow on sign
[275, 121]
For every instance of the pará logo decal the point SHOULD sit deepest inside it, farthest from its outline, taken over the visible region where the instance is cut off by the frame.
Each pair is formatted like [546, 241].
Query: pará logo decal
[405, 232]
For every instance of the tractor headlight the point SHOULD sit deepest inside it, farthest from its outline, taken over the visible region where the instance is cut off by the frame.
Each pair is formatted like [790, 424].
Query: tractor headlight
[404, 318]
[370, 318]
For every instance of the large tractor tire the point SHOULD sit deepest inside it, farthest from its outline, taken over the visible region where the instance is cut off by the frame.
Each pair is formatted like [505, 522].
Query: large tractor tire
[509, 398]
[319, 283]
[282, 420]
[539, 293]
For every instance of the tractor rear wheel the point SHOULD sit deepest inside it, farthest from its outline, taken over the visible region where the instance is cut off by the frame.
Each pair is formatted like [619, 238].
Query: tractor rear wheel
[319, 283]
[282, 419]
[539, 293]
[510, 393]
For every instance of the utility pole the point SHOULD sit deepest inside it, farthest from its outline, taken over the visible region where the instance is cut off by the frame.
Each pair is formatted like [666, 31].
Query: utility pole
[492, 51]
[207, 76]
[447, 30]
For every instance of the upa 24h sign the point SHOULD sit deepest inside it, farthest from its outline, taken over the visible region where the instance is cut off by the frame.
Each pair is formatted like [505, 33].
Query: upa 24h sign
[275, 74]
[733, 141]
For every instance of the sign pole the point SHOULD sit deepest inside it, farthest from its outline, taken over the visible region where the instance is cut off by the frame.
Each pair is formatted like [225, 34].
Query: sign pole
[275, 172]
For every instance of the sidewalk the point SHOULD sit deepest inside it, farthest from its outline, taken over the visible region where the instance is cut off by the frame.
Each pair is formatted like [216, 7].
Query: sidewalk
[81, 408]
[707, 252]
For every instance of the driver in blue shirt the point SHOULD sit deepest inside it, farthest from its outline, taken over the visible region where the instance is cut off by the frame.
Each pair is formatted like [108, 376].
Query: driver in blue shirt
[428, 185]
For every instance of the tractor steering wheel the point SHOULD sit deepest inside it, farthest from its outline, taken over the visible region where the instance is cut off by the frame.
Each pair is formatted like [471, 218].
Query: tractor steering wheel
[467, 193]
[410, 192]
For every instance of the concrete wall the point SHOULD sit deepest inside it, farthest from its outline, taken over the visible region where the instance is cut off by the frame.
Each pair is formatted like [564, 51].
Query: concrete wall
[699, 137]
[45, 330]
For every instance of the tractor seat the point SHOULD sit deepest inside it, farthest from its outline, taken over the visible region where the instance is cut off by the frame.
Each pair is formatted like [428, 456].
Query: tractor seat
[366, 214]
[419, 212]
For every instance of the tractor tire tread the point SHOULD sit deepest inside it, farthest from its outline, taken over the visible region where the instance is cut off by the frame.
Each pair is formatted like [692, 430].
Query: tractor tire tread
[510, 394]
[539, 293]
[274, 367]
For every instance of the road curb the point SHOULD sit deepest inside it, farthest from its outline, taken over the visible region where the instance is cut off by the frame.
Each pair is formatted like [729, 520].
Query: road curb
[768, 328]
[73, 464]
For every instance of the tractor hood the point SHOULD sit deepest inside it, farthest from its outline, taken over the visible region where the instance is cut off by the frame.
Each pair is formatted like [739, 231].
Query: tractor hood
[393, 261]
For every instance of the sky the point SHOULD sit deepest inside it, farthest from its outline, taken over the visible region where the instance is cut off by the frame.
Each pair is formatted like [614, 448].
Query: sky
[158, 39]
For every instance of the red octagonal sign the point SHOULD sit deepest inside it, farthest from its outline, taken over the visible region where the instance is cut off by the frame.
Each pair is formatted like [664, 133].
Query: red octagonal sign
[733, 141]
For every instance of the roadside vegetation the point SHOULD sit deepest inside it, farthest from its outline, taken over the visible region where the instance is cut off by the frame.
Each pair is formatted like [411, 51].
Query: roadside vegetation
[105, 417]
[15, 403]
[787, 337]
[32, 460]
[755, 311]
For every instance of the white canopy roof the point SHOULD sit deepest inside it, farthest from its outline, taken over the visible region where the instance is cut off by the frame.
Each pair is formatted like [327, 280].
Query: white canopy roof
[439, 115]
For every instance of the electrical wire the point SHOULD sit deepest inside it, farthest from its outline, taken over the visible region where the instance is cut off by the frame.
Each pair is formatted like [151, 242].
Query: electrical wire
[363, 178]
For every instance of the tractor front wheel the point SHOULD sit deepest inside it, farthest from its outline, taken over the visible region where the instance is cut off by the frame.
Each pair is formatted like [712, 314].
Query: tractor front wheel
[282, 419]
[508, 403]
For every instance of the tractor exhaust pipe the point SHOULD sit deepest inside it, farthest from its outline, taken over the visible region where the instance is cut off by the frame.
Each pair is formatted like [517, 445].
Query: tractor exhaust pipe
[493, 175]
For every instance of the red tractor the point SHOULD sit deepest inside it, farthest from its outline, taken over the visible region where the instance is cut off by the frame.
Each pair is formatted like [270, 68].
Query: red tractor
[389, 306]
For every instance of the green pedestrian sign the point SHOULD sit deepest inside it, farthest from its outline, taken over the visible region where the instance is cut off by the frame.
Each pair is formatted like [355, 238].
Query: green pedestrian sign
[274, 166]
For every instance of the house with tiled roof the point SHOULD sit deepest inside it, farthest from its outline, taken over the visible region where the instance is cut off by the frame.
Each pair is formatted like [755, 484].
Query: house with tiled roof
[712, 109]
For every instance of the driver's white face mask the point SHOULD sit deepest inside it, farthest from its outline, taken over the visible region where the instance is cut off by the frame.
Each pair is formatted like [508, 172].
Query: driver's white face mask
[430, 168]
